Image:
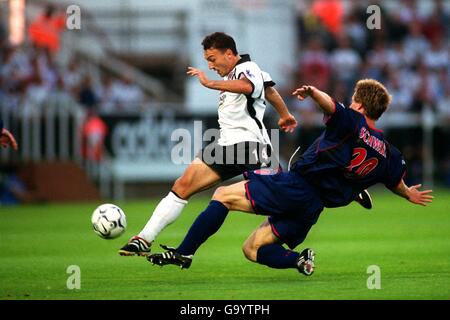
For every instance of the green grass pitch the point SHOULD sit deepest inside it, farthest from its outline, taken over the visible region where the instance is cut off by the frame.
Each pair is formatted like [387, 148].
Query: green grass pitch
[410, 245]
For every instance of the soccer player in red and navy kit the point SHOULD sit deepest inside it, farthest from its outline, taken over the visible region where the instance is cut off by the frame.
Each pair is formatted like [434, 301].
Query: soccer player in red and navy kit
[348, 157]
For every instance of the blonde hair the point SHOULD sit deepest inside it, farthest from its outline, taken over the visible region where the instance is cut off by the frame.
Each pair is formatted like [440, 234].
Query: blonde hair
[374, 97]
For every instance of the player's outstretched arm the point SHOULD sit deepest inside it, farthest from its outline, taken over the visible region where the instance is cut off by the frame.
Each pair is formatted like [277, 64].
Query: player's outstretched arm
[322, 99]
[287, 121]
[413, 194]
[7, 139]
[236, 86]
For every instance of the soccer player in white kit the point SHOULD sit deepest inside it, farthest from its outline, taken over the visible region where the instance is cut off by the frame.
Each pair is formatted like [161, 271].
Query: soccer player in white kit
[243, 144]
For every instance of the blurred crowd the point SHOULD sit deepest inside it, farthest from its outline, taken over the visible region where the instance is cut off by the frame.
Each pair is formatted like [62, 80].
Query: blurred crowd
[410, 54]
[33, 73]
[30, 75]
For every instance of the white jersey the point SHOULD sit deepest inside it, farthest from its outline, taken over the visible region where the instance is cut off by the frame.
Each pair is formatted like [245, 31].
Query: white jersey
[240, 115]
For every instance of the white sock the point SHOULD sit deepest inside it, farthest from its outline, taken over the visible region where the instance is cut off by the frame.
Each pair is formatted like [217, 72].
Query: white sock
[166, 212]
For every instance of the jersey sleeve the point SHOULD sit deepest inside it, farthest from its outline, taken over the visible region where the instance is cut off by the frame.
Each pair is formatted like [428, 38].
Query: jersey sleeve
[396, 169]
[268, 82]
[252, 72]
[343, 120]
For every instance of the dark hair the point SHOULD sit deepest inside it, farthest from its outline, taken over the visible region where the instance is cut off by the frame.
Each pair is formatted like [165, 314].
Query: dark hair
[220, 41]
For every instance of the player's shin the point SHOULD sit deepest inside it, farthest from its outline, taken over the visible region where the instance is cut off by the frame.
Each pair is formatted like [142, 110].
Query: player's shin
[206, 224]
[166, 212]
[276, 256]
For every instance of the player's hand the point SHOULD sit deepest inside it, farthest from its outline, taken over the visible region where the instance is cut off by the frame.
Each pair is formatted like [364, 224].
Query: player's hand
[7, 139]
[419, 197]
[288, 123]
[303, 92]
[199, 74]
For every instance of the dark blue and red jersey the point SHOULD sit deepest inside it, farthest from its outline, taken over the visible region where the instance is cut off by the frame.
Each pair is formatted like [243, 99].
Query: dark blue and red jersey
[348, 157]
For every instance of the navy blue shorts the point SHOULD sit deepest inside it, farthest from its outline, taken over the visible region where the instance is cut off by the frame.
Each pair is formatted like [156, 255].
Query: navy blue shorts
[292, 204]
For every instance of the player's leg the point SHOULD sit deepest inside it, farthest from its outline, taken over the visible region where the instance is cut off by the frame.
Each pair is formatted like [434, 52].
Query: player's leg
[218, 164]
[227, 198]
[264, 247]
[211, 219]
[264, 194]
[197, 177]
[262, 236]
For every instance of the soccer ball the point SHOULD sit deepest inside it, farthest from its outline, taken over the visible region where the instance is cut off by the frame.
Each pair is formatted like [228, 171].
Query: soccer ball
[109, 221]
